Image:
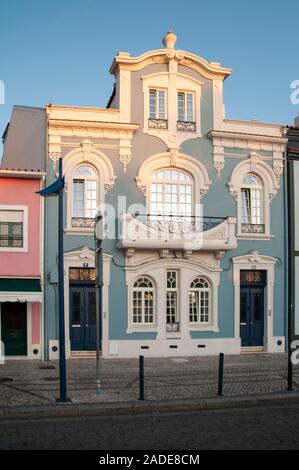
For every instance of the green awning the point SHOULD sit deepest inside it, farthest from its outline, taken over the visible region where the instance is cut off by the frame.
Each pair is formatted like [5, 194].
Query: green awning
[20, 285]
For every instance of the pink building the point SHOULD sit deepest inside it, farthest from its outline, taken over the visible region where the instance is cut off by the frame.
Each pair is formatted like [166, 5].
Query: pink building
[21, 264]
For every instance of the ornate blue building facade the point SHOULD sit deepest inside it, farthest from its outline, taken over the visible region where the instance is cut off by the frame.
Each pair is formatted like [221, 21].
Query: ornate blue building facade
[194, 254]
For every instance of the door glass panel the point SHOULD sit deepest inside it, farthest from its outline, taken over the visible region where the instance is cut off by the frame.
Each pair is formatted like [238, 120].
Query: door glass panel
[243, 313]
[76, 299]
[257, 311]
[92, 308]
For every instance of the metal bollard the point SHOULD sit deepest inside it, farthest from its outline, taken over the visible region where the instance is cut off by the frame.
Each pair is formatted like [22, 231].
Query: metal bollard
[141, 378]
[220, 375]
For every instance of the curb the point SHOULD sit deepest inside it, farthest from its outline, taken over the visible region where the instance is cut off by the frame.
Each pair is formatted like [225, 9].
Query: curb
[145, 407]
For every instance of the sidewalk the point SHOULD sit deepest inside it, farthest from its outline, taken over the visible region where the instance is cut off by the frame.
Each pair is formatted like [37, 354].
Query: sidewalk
[35, 384]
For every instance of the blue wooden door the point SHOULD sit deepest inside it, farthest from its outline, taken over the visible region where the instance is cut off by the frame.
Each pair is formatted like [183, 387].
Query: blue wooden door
[82, 318]
[252, 316]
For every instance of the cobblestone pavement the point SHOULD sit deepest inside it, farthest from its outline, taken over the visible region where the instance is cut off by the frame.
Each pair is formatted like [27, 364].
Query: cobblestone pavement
[34, 382]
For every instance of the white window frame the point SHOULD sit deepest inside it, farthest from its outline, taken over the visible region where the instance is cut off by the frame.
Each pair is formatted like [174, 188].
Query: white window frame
[173, 82]
[23, 209]
[143, 291]
[198, 291]
[141, 327]
[175, 290]
[157, 113]
[185, 93]
[188, 270]
[254, 165]
[84, 178]
[251, 188]
[106, 179]
[178, 184]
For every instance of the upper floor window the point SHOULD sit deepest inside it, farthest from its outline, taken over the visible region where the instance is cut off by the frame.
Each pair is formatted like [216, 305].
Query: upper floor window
[171, 195]
[251, 203]
[85, 180]
[199, 301]
[157, 109]
[186, 120]
[143, 301]
[13, 228]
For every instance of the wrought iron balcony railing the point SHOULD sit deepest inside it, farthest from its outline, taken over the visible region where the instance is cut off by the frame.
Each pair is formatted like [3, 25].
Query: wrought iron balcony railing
[178, 223]
[83, 222]
[186, 126]
[253, 228]
[157, 123]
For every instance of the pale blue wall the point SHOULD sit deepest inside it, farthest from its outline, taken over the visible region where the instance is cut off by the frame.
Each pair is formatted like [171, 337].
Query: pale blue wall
[217, 202]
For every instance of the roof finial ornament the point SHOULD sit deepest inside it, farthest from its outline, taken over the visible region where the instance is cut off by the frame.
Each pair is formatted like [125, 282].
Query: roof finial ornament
[169, 40]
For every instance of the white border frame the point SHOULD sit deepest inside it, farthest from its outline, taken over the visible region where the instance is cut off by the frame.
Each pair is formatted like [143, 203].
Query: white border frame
[106, 180]
[30, 346]
[256, 261]
[187, 164]
[187, 270]
[76, 259]
[270, 188]
[24, 209]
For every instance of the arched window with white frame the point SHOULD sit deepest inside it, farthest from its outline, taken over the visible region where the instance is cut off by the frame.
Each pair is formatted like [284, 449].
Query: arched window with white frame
[143, 302]
[85, 190]
[171, 195]
[200, 301]
[252, 204]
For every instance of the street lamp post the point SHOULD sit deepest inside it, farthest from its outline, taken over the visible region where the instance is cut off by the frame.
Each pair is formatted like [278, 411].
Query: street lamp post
[98, 234]
[56, 189]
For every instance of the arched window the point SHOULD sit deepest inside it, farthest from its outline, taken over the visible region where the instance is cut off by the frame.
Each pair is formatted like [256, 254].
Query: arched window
[251, 201]
[171, 195]
[199, 301]
[85, 180]
[143, 301]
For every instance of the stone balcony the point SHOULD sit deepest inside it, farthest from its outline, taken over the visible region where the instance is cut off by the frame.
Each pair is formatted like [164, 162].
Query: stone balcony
[154, 232]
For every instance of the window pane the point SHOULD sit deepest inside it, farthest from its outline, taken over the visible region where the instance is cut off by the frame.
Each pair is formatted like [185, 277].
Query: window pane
[78, 198]
[171, 307]
[85, 170]
[152, 104]
[181, 106]
[245, 206]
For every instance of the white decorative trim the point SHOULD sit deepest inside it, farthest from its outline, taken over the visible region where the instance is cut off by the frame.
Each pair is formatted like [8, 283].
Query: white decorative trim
[137, 235]
[30, 346]
[172, 82]
[76, 259]
[187, 270]
[254, 164]
[125, 96]
[256, 261]
[179, 161]
[87, 154]
[54, 156]
[21, 297]
[211, 70]
[185, 347]
[24, 209]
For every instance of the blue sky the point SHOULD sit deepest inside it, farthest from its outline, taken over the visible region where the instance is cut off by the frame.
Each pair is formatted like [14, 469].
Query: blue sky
[60, 51]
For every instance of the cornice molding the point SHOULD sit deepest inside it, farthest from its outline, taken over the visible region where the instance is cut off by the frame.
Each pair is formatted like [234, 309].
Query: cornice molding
[79, 124]
[246, 136]
[208, 69]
